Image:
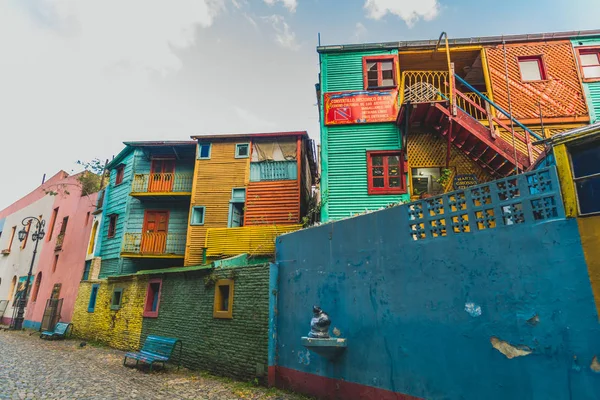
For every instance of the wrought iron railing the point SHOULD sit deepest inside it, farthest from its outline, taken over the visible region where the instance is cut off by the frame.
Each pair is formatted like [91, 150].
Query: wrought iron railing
[527, 198]
[255, 240]
[156, 243]
[273, 171]
[423, 86]
[163, 183]
[60, 239]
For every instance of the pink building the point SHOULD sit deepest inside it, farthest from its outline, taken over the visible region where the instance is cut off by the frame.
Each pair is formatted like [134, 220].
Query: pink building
[60, 261]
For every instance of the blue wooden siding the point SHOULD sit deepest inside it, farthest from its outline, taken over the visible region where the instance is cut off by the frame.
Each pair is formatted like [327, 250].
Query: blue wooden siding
[178, 214]
[343, 148]
[116, 202]
[591, 89]
[143, 164]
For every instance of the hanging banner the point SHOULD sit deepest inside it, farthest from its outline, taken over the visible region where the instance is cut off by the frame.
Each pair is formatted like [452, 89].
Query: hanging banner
[21, 287]
[464, 181]
[361, 107]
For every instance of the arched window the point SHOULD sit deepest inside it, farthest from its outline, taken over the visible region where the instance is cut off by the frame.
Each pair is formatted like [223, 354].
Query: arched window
[36, 287]
[93, 238]
[13, 286]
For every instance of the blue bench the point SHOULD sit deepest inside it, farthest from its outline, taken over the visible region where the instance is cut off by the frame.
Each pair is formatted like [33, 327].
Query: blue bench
[60, 331]
[156, 349]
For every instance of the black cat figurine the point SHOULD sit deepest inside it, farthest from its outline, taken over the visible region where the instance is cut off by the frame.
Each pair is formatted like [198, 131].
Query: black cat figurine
[319, 324]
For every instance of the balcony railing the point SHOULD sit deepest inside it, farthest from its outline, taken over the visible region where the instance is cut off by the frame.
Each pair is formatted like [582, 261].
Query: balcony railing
[59, 241]
[163, 183]
[157, 244]
[273, 171]
[255, 240]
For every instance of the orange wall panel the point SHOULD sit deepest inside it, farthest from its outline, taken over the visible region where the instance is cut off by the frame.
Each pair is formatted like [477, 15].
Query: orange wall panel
[561, 94]
[274, 202]
[213, 180]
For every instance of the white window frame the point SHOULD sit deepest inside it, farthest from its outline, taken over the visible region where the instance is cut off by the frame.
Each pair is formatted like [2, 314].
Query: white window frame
[200, 151]
[237, 149]
[192, 223]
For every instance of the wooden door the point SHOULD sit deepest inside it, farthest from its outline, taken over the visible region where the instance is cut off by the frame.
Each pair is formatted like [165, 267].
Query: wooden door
[154, 235]
[162, 175]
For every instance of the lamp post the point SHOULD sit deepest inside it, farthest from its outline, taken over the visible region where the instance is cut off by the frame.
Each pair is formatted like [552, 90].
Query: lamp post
[37, 235]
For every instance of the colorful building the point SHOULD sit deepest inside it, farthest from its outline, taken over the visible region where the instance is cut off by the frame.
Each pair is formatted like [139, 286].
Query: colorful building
[145, 207]
[248, 189]
[403, 120]
[59, 264]
[587, 54]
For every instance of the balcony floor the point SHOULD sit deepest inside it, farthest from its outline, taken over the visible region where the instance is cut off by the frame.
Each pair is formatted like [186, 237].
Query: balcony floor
[151, 255]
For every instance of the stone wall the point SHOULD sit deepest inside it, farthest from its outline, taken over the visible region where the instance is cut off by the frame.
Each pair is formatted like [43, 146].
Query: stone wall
[121, 328]
[234, 347]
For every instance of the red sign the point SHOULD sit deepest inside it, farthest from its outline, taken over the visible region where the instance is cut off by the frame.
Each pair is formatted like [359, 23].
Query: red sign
[361, 107]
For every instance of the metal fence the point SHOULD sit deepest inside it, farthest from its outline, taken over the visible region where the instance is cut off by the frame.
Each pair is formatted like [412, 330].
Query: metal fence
[162, 182]
[51, 314]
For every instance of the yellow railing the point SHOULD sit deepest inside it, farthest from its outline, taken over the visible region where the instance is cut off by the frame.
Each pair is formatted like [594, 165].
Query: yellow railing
[424, 86]
[469, 108]
[153, 244]
[255, 240]
[163, 182]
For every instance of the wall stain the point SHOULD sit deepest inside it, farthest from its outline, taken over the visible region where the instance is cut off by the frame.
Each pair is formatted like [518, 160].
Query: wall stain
[508, 349]
[595, 366]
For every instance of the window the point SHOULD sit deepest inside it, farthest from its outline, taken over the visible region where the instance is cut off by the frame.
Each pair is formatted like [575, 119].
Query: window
[223, 307]
[197, 215]
[204, 150]
[152, 298]
[585, 160]
[55, 263]
[93, 238]
[86, 270]
[52, 223]
[119, 175]
[379, 72]
[242, 150]
[385, 172]
[425, 181]
[93, 297]
[112, 225]
[36, 288]
[590, 63]
[27, 228]
[532, 68]
[117, 297]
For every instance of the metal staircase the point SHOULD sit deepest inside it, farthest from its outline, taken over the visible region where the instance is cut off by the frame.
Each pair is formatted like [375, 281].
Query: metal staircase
[470, 123]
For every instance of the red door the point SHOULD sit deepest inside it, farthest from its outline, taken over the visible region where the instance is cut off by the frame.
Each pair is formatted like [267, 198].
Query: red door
[162, 175]
[154, 235]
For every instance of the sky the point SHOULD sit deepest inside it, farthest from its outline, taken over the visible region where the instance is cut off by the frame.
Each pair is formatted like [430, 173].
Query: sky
[79, 77]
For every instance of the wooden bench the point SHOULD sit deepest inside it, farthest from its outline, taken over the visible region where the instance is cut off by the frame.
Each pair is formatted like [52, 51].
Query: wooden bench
[155, 349]
[60, 331]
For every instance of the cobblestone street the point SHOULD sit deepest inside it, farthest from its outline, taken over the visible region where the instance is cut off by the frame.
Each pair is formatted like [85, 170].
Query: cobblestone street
[31, 368]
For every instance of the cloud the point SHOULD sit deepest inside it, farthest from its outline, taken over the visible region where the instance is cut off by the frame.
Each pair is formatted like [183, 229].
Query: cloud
[410, 11]
[359, 31]
[252, 121]
[251, 20]
[289, 4]
[284, 36]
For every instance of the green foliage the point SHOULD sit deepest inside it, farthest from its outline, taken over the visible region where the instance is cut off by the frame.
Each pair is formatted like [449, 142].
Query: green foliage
[313, 213]
[444, 177]
[210, 280]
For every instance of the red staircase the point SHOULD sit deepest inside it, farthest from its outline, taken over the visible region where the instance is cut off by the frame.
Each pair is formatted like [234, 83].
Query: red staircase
[479, 142]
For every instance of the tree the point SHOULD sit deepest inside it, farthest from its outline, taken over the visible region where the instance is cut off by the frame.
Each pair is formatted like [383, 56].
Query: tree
[91, 180]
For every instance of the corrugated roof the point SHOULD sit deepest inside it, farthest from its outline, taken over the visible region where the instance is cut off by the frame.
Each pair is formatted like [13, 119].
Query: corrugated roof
[425, 44]
[168, 143]
[576, 134]
[246, 135]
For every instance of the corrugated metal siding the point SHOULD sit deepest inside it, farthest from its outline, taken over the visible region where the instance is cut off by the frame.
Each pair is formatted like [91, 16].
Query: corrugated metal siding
[272, 202]
[213, 180]
[254, 240]
[561, 94]
[346, 193]
[116, 202]
[344, 71]
[591, 89]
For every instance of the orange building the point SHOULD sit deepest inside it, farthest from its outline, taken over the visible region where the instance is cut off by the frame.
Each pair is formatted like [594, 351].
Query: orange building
[247, 189]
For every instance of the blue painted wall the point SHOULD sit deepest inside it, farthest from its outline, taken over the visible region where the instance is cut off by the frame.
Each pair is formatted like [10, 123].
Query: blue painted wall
[402, 305]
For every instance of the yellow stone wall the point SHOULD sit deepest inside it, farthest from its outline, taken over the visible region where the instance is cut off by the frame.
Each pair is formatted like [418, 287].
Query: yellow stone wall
[121, 328]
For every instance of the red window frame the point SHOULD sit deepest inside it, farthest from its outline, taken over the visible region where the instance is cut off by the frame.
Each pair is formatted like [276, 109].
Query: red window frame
[150, 298]
[402, 171]
[379, 60]
[541, 66]
[120, 175]
[588, 50]
[112, 225]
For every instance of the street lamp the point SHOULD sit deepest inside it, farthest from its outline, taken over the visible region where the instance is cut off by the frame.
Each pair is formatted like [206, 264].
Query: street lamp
[37, 235]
